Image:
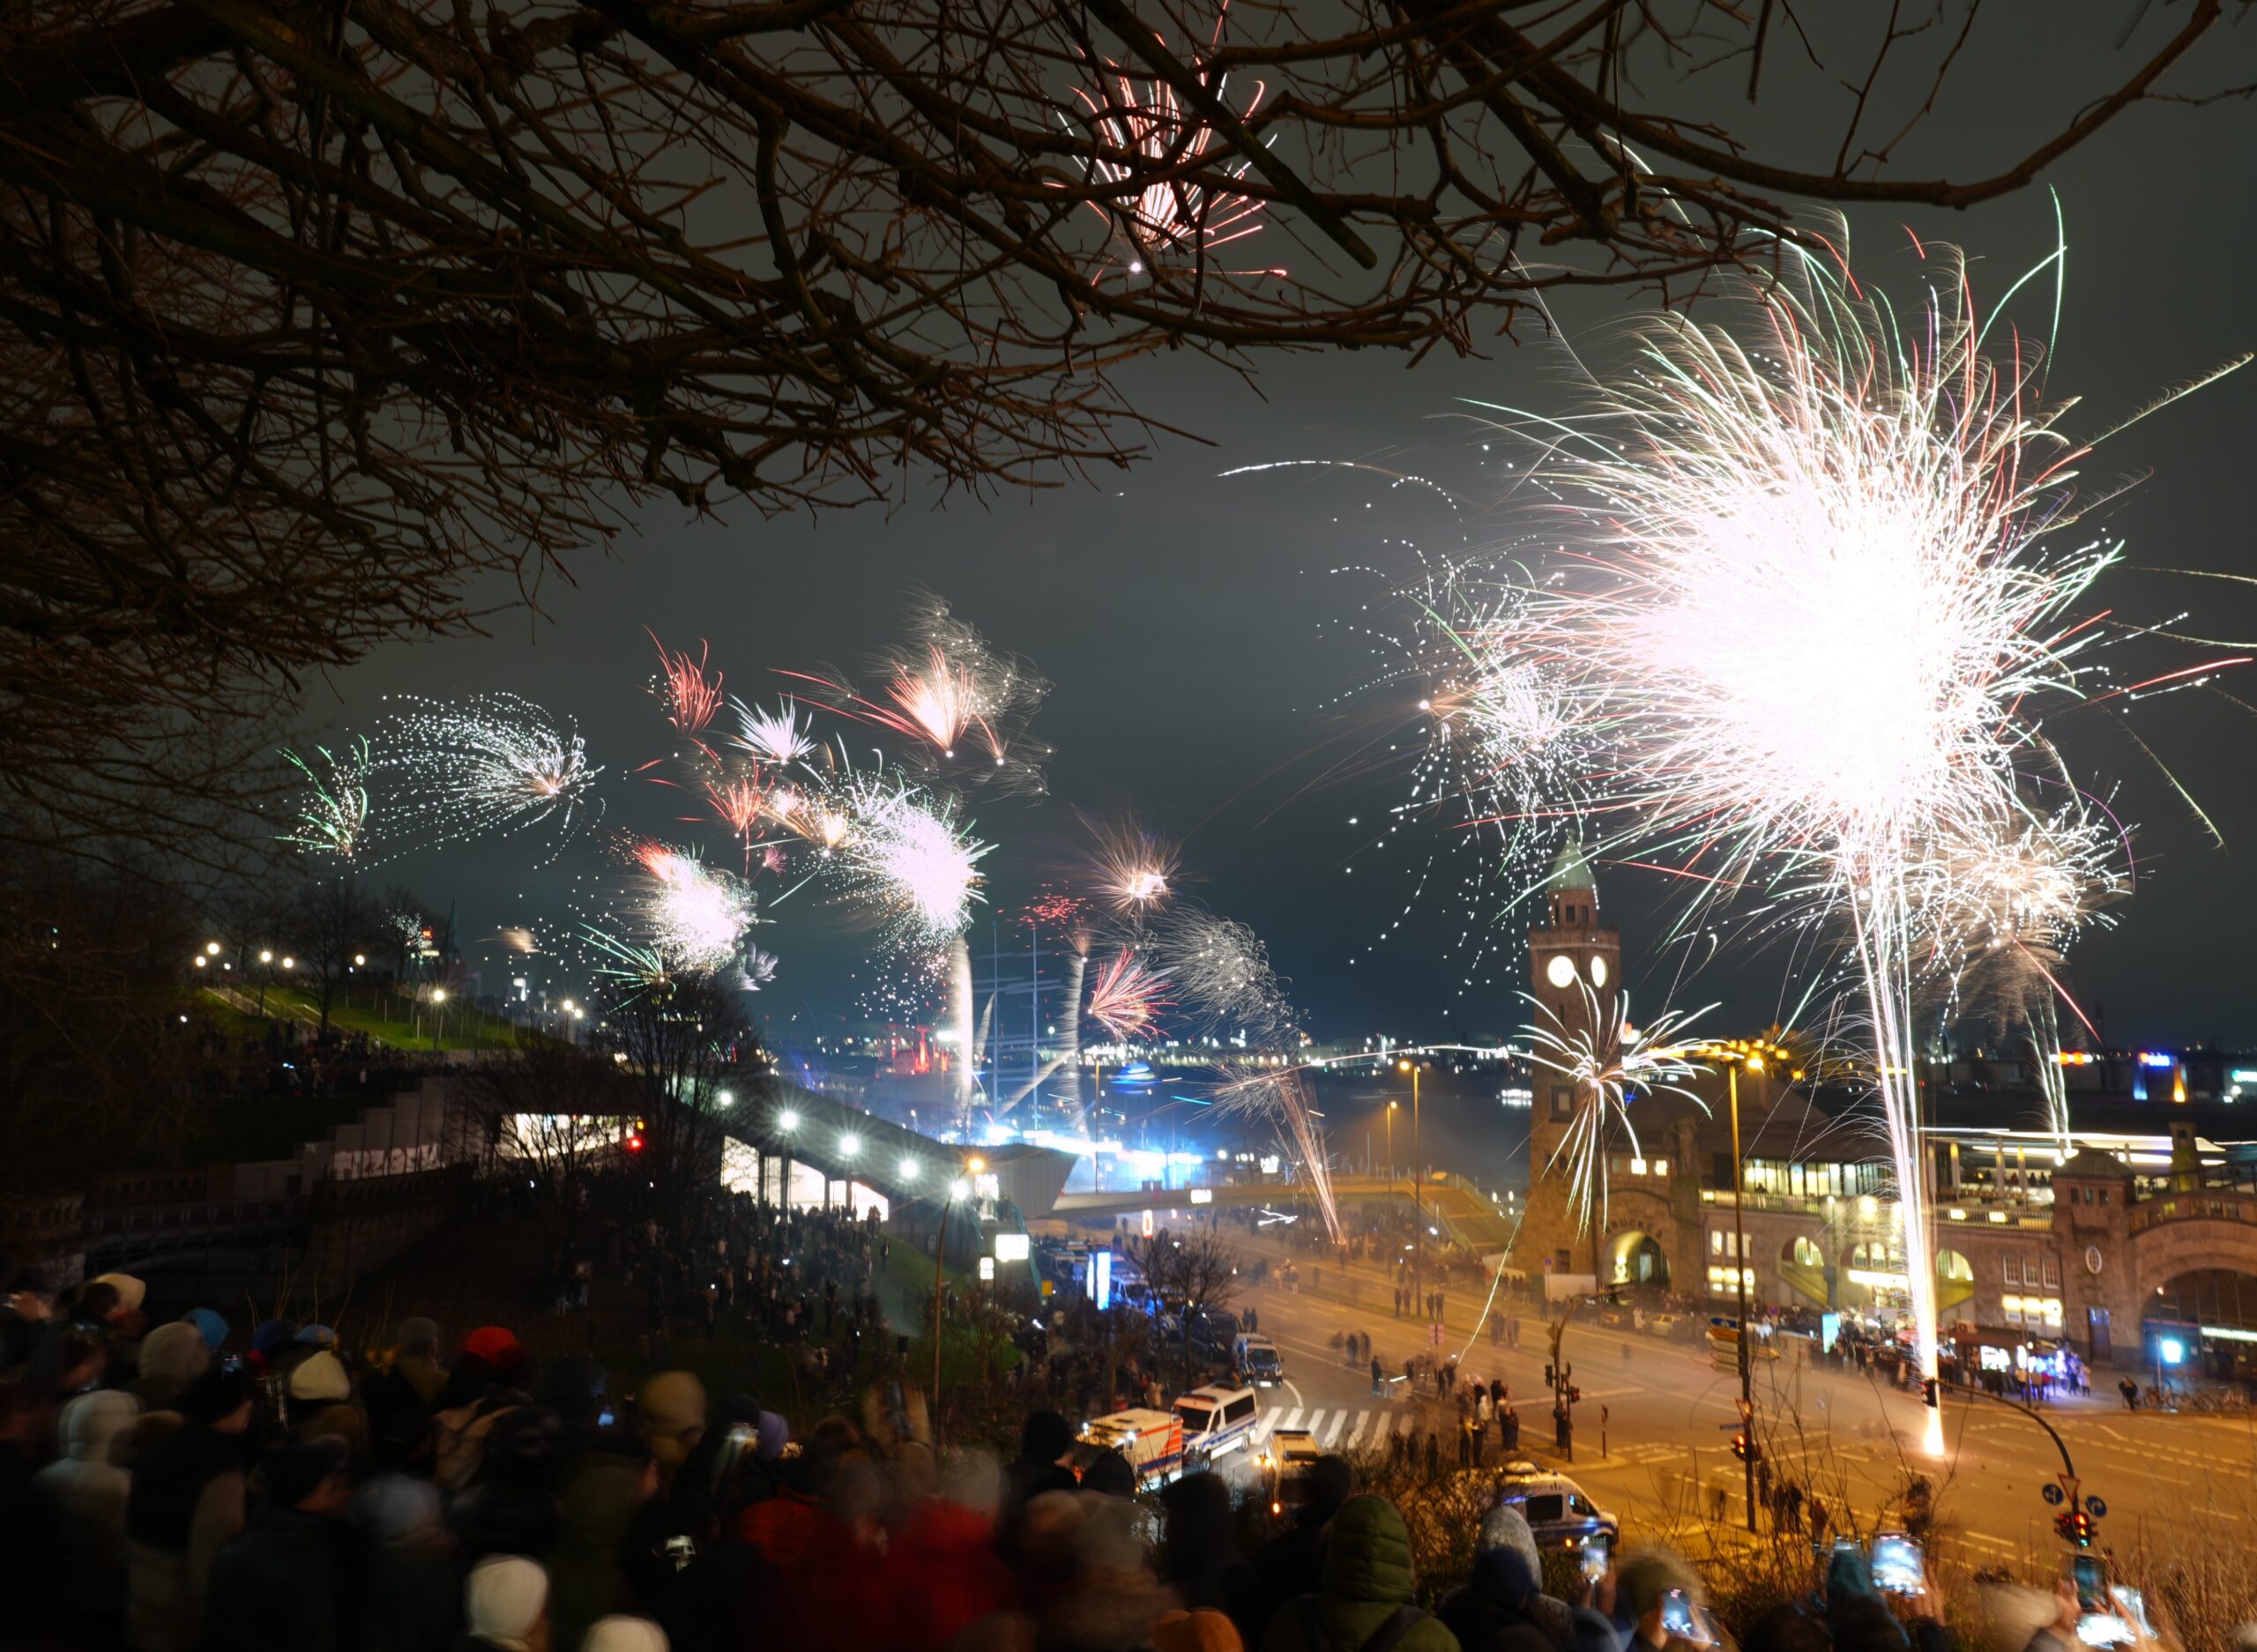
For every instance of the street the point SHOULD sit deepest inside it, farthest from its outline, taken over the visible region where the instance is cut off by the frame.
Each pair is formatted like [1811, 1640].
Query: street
[1672, 1415]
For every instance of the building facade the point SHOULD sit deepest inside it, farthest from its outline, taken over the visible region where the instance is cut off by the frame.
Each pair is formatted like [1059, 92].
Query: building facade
[2137, 1248]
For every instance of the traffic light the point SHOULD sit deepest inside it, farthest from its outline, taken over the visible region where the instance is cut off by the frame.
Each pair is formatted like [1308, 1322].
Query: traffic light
[1928, 1385]
[2077, 1527]
[1574, 1394]
[633, 1144]
[1741, 1449]
[1549, 1379]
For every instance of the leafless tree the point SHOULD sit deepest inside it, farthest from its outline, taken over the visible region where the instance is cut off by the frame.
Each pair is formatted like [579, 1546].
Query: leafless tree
[694, 1060]
[1193, 1271]
[332, 925]
[310, 313]
[553, 1113]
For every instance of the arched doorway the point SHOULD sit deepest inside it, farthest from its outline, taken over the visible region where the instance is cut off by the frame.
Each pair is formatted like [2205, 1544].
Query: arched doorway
[1874, 1279]
[2203, 1325]
[1633, 1258]
[1802, 1266]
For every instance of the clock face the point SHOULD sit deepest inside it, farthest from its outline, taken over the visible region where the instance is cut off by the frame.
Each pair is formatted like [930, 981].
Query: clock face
[1561, 970]
[1598, 971]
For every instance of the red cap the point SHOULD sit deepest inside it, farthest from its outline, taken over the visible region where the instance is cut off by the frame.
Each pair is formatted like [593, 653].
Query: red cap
[494, 1345]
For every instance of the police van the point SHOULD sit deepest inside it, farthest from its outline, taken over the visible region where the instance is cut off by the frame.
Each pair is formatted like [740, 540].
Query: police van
[1215, 1420]
[1256, 1359]
[1556, 1508]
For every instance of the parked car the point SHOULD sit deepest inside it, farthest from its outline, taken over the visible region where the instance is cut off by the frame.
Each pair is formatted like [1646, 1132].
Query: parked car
[1256, 1361]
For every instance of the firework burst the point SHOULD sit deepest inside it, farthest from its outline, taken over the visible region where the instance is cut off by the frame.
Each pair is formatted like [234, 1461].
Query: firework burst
[1142, 128]
[1609, 1066]
[494, 764]
[695, 915]
[1126, 996]
[1132, 870]
[1817, 615]
[333, 814]
[912, 857]
[691, 698]
[777, 738]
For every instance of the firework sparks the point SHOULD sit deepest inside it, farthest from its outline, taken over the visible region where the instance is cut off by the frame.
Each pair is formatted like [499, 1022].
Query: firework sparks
[952, 695]
[695, 915]
[1143, 128]
[1817, 619]
[691, 698]
[1126, 996]
[1132, 870]
[777, 738]
[915, 860]
[496, 763]
[1610, 1067]
[333, 815]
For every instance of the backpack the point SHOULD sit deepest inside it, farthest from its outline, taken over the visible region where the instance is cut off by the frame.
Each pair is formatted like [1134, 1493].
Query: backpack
[1383, 1639]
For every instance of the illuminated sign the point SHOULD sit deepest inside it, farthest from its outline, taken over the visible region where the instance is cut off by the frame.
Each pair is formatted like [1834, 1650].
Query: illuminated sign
[1010, 1247]
[987, 1267]
[1202, 1195]
[1101, 1279]
[2245, 1074]
[2155, 1058]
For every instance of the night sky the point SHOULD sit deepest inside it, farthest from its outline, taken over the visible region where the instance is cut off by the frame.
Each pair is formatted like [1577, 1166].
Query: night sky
[1201, 647]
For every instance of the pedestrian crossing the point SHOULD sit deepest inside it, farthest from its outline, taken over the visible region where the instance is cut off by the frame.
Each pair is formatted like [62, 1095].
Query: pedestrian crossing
[1348, 1428]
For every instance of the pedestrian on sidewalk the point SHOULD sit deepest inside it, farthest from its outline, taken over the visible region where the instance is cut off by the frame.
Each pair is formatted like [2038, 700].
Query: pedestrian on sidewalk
[1376, 1377]
[1509, 1429]
[1398, 1302]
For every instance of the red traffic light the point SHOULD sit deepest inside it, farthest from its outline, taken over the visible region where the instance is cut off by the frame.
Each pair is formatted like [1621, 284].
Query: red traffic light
[1928, 1391]
[633, 1144]
[2077, 1527]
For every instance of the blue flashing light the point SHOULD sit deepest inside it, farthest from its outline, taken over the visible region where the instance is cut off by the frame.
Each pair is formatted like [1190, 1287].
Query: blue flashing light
[2157, 1057]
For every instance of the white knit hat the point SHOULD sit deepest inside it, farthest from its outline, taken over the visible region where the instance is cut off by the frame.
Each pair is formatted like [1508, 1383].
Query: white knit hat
[624, 1635]
[504, 1598]
[321, 1378]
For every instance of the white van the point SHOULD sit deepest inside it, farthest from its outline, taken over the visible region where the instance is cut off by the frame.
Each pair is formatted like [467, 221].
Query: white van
[1215, 1420]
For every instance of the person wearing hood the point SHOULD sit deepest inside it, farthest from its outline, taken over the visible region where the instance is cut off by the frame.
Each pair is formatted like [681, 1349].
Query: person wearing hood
[1365, 1601]
[1490, 1611]
[1045, 1440]
[187, 1500]
[1504, 1526]
[412, 1598]
[587, 1563]
[1113, 1602]
[505, 1606]
[1200, 1560]
[1642, 1585]
[1291, 1564]
[289, 1578]
[82, 1496]
[172, 1356]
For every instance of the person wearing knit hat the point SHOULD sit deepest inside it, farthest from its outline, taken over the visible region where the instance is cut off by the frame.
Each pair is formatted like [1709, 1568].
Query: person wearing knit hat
[316, 1336]
[1205, 1630]
[130, 1291]
[172, 1356]
[1506, 1527]
[505, 1605]
[209, 1325]
[624, 1635]
[320, 1379]
[499, 1348]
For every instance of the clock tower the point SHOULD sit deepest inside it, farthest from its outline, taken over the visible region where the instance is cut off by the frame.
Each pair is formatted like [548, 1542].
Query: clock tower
[1575, 969]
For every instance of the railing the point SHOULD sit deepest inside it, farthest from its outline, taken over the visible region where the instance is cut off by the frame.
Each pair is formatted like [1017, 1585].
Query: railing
[2207, 1204]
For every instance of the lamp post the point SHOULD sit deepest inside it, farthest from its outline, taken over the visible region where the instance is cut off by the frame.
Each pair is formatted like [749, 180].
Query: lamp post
[438, 997]
[1418, 1191]
[1391, 1106]
[955, 1190]
[266, 973]
[1755, 1064]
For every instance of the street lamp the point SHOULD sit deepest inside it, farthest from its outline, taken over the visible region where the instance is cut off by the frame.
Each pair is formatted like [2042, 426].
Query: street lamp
[1392, 1105]
[211, 948]
[1418, 1189]
[960, 1188]
[1738, 1053]
[267, 970]
[787, 1121]
[438, 997]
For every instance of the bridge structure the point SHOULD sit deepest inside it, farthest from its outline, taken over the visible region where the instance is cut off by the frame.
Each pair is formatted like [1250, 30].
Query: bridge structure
[1455, 1206]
